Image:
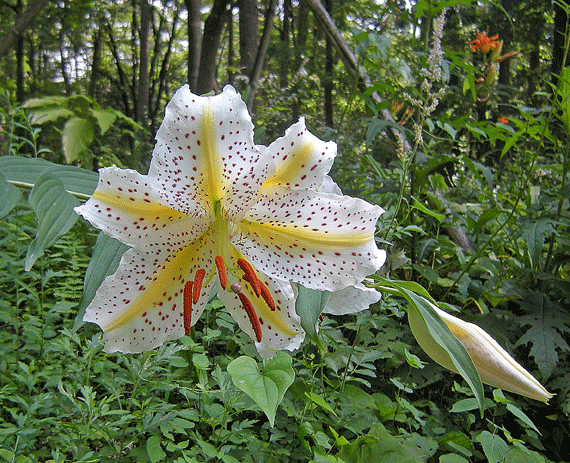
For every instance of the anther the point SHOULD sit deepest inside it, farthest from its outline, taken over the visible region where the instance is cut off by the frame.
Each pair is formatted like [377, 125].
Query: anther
[222, 272]
[198, 284]
[266, 295]
[187, 307]
[250, 276]
[250, 311]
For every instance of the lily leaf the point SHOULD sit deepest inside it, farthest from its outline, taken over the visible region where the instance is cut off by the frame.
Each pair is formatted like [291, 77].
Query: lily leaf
[9, 196]
[266, 388]
[309, 306]
[54, 209]
[105, 260]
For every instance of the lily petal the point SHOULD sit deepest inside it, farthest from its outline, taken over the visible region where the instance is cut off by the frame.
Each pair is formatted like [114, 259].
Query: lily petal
[351, 300]
[320, 240]
[301, 159]
[141, 305]
[127, 207]
[495, 366]
[280, 328]
[205, 153]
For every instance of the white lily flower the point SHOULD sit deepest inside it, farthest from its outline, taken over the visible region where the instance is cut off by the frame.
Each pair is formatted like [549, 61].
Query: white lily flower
[353, 299]
[495, 366]
[218, 213]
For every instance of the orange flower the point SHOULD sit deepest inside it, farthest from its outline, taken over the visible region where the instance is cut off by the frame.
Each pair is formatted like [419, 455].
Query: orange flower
[502, 120]
[484, 43]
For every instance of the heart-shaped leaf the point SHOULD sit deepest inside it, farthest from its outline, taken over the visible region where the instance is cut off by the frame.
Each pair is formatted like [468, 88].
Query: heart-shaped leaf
[266, 388]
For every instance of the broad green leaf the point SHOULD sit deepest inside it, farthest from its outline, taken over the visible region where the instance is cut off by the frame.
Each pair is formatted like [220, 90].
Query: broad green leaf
[378, 446]
[78, 134]
[9, 196]
[44, 114]
[45, 101]
[309, 306]
[154, 449]
[545, 321]
[54, 209]
[104, 261]
[26, 172]
[266, 388]
[105, 118]
[452, 458]
[534, 235]
[494, 447]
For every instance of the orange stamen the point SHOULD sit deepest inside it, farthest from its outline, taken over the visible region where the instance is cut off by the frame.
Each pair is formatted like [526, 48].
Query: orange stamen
[250, 311]
[250, 276]
[222, 272]
[266, 295]
[187, 307]
[198, 284]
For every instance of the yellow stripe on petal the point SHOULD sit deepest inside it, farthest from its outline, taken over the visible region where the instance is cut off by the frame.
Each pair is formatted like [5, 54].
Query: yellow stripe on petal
[154, 289]
[288, 171]
[284, 235]
[137, 206]
[212, 163]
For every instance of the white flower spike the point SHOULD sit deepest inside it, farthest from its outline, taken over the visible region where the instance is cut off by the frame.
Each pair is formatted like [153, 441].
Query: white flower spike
[495, 366]
[218, 213]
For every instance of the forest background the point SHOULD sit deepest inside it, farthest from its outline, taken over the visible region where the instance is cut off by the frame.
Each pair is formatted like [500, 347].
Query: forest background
[471, 165]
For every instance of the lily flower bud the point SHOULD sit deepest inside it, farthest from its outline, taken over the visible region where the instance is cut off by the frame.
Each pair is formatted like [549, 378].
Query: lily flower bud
[495, 366]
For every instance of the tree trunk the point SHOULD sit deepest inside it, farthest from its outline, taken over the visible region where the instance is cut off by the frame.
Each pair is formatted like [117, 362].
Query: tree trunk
[96, 64]
[248, 35]
[23, 22]
[328, 77]
[285, 58]
[559, 36]
[231, 52]
[194, 41]
[260, 56]
[210, 44]
[141, 102]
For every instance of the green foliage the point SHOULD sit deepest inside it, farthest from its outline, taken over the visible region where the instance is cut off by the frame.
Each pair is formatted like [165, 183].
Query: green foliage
[84, 120]
[476, 215]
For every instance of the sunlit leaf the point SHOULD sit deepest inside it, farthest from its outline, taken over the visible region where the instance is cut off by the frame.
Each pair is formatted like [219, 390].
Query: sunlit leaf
[78, 134]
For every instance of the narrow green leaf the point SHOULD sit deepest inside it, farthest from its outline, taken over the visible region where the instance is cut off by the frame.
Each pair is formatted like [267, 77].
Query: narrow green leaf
[494, 447]
[316, 398]
[309, 306]
[9, 196]
[78, 134]
[154, 449]
[267, 388]
[54, 208]
[522, 416]
[104, 261]
[418, 205]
